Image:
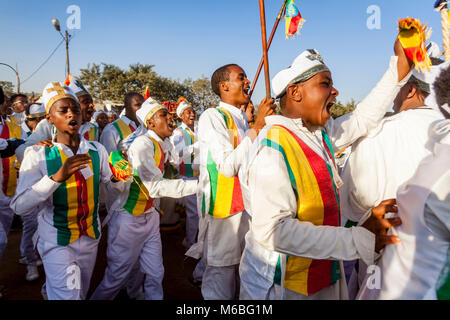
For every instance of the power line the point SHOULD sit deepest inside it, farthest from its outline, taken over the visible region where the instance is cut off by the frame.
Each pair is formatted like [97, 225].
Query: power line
[46, 60]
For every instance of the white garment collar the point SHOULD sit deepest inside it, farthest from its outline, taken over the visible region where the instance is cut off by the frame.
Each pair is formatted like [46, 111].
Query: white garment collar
[232, 109]
[153, 135]
[84, 146]
[291, 124]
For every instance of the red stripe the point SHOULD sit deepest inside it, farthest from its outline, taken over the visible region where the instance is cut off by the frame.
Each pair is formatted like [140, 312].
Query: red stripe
[131, 127]
[319, 273]
[81, 222]
[293, 26]
[237, 203]
[5, 161]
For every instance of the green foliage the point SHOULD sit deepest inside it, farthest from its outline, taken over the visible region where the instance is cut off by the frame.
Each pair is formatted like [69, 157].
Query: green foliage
[8, 88]
[340, 109]
[109, 82]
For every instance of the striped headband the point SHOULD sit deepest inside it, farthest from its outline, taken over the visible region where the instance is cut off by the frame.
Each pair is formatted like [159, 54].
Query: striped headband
[420, 84]
[308, 74]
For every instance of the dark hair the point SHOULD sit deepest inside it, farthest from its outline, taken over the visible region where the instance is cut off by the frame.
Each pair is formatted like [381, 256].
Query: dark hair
[441, 87]
[2, 96]
[436, 61]
[17, 95]
[221, 74]
[128, 96]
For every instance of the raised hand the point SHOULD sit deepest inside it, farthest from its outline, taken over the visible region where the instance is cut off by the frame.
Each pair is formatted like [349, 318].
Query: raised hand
[266, 108]
[72, 165]
[378, 225]
[45, 143]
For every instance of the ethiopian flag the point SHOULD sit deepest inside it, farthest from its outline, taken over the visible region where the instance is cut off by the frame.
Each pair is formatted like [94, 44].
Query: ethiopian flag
[146, 93]
[294, 20]
[68, 80]
[412, 36]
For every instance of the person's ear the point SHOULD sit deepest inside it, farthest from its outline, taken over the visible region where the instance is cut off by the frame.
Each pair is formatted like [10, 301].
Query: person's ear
[412, 92]
[294, 92]
[49, 118]
[224, 86]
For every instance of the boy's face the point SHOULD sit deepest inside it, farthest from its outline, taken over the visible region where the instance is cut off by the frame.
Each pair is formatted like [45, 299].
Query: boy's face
[19, 104]
[111, 117]
[136, 102]
[65, 115]
[160, 124]
[102, 120]
[317, 97]
[32, 123]
[237, 87]
[87, 107]
[188, 116]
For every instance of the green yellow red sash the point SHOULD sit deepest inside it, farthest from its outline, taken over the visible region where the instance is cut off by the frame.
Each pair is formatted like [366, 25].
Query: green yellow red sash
[123, 129]
[186, 168]
[9, 183]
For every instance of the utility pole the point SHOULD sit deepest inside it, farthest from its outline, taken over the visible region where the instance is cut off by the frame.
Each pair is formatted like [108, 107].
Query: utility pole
[17, 80]
[67, 53]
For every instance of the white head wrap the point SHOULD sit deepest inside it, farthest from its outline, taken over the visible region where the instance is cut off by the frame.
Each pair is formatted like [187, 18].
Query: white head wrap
[148, 110]
[183, 106]
[37, 110]
[78, 88]
[55, 91]
[305, 66]
[430, 101]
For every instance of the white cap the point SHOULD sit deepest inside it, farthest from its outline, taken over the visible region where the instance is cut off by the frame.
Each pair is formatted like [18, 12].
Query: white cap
[36, 110]
[148, 110]
[78, 88]
[433, 50]
[183, 106]
[55, 91]
[305, 66]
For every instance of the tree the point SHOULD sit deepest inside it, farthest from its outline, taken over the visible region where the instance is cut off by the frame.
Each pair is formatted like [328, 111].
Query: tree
[203, 96]
[340, 109]
[8, 88]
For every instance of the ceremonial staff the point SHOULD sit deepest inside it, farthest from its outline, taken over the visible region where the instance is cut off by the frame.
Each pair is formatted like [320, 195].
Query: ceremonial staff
[274, 29]
[262, 15]
[442, 6]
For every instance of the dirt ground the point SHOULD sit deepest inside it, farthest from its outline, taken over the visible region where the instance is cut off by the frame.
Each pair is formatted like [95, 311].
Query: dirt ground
[177, 269]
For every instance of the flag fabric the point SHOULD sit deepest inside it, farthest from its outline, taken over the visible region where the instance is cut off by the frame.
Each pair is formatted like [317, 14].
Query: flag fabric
[146, 93]
[412, 36]
[294, 20]
[68, 80]
[120, 167]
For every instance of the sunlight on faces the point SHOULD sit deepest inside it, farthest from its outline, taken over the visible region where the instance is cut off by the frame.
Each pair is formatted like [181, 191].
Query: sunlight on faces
[19, 104]
[65, 115]
[87, 106]
[135, 104]
[102, 120]
[235, 90]
[112, 117]
[312, 99]
[188, 116]
[160, 124]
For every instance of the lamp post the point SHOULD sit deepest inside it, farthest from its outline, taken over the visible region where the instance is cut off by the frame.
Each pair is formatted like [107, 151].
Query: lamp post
[17, 75]
[66, 38]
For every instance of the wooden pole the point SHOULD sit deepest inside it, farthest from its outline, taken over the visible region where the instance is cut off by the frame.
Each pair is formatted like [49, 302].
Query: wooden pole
[274, 29]
[262, 15]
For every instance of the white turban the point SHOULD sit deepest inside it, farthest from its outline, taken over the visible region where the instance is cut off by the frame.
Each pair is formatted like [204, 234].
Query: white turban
[36, 110]
[148, 110]
[305, 66]
[55, 91]
[78, 88]
[183, 106]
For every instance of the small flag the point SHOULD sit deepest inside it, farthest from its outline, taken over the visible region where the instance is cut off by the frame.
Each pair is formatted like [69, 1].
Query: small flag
[294, 20]
[68, 80]
[120, 167]
[412, 36]
[181, 99]
[146, 93]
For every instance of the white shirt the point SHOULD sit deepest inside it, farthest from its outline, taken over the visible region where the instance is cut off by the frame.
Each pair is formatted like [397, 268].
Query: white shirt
[224, 237]
[271, 202]
[110, 137]
[384, 159]
[417, 266]
[185, 152]
[44, 131]
[141, 158]
[35, 188]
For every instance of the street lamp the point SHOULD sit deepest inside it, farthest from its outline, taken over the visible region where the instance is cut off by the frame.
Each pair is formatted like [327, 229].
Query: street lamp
[17, 75]
[57, 26]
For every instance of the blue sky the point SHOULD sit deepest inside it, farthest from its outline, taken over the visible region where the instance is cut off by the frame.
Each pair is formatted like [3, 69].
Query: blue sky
[192, 38]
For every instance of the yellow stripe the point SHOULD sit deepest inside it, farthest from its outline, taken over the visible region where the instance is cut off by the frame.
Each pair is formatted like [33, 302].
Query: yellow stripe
[309, 204]
[126, 131]
[72, 197]
[224, 196]
[91, 204]
[14, 132]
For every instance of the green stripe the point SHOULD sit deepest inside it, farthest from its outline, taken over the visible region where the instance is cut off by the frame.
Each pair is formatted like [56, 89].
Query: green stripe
[350, 224]
[328, 142]
[118, 129]
[133, 195]
[96, 183]
[61, 207]
[224, 116]
[213, 180]
[277, 276]
[335, 271]
[443, 293]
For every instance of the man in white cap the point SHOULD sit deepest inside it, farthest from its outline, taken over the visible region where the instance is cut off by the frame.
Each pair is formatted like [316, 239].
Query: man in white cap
[418, 268]
[63, 181]
[295, 244]
[185, 141]
[225, 139]
[133, 233]
[45, 131]
[392, 151]
[34, 113]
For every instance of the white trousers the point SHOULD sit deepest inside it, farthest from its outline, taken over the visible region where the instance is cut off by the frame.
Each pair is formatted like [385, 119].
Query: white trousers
[6, 218]
[29, 227]
[190, 202]
[68, 269]
[132, 239]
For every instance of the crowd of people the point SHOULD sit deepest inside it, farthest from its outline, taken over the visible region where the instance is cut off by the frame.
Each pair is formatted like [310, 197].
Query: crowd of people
[287, 204]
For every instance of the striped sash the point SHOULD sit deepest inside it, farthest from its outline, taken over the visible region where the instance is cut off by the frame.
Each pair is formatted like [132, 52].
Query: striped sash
[139, 200]
[9, 183]
[317, 202]
[91, 134]
[123, 129]
[75, 201]
[186, 168]
[226, 194]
